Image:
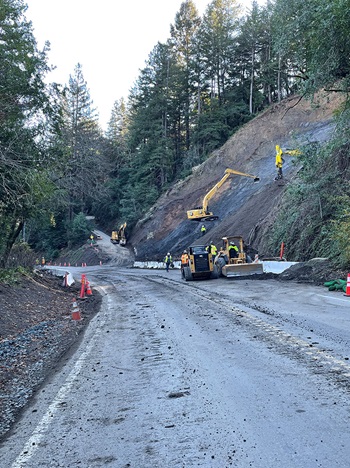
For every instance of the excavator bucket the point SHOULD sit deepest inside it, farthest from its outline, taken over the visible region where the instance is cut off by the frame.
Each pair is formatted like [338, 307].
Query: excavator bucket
[242, 269]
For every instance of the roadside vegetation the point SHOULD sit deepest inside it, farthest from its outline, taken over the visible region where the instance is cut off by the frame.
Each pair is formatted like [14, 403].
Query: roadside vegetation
[212, 75]
[314, 216]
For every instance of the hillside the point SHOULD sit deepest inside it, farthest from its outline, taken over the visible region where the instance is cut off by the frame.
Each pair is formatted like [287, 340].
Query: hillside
[244, 208]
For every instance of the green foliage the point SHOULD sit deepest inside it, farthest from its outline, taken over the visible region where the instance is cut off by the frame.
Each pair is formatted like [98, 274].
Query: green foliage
[314, 218]
[210, 77]
[24, 103]
[22, 256]
[78, 230]
[11, 276]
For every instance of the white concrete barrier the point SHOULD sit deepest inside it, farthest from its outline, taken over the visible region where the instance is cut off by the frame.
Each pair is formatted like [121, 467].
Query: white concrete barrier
[155, 265]
[268, 266]
[276, 267]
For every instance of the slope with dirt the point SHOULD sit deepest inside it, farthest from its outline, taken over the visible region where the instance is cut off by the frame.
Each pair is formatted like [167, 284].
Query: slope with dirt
[244, 208]
[35, 323]
[36, 330]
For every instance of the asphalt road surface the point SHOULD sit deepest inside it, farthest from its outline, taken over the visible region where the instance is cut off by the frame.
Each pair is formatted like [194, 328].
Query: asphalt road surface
[220, 373]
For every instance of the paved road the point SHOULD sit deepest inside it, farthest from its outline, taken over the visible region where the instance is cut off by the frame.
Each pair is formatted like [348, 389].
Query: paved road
[221, 373]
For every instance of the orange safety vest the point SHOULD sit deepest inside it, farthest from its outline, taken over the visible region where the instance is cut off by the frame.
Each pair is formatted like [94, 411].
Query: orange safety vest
[184, 259]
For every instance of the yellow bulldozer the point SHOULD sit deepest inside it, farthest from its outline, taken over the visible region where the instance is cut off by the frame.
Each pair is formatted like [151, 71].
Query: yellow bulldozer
[119, 236]
[202, 213]
[232, 260]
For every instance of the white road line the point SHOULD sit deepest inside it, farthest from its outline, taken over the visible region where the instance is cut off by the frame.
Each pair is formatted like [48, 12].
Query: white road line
[42, 427]
[336, 298]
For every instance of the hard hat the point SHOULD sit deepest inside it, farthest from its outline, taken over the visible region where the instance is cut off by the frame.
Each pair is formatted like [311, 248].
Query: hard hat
[232, 243]
[185, 251]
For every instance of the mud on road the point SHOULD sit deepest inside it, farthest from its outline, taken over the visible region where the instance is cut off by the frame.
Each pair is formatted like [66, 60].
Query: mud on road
[181, 374]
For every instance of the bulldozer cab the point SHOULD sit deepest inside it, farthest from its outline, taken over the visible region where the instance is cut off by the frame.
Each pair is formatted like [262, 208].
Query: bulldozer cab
[232, 259]
[233, 246]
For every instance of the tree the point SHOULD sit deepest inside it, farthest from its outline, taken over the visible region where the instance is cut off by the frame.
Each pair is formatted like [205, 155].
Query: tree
[23, 102]
[217, 42]
[107, 206]
[216, 47]
[83, 169]
[182, 41]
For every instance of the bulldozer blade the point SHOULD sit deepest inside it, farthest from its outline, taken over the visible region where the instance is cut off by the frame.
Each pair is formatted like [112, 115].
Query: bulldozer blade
[242, 269]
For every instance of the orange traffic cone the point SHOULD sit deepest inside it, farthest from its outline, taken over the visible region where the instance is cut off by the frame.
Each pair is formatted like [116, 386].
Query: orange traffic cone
[281, 250]
[76, 315]
[88, 289]
[347, 291]
[82, 289]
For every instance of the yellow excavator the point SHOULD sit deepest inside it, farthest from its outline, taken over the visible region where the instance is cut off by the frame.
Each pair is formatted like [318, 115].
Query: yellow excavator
[119, 236]
[202, 213]
[232, 259]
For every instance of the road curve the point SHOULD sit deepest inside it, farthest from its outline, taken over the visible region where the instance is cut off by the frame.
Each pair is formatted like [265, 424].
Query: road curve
[209, 373]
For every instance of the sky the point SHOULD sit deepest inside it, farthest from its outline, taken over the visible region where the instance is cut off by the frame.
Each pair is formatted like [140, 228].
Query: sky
[111, 39]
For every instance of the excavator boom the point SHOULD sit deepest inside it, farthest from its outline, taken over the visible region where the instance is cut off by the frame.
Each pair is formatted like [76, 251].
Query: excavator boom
[202, 213]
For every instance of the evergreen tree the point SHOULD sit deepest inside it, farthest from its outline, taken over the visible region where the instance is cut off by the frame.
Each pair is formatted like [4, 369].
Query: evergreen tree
[216, 48]
[107, 206]
[23, 167]
[82, 145]
[183, 44]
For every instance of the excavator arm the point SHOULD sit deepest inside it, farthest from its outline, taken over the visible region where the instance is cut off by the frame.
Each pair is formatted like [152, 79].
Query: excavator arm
[202, 213]
[216, 187]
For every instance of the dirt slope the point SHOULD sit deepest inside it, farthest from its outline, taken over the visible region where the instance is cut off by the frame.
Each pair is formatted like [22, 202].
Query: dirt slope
[244, 207]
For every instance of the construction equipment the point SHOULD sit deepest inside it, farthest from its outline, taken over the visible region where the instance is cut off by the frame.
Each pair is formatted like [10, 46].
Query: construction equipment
[202, 213]
[201, 264]
[231, 266]
[279, 160]
[119, 236]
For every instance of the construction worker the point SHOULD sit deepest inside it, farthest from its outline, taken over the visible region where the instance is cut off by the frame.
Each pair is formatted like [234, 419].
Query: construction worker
[279, 159]
[279, 162]
[184, 259]
[233, 250]
[203, 230]
[168, 261]
[211, 248]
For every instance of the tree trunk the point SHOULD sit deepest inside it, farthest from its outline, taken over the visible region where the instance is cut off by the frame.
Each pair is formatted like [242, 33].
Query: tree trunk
[251, 83]
[15, 231]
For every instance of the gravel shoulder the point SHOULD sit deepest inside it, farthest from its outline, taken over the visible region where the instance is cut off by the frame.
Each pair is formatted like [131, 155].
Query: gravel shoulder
[36, 331]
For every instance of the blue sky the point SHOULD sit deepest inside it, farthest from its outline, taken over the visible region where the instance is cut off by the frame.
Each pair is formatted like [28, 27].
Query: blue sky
[111, 39]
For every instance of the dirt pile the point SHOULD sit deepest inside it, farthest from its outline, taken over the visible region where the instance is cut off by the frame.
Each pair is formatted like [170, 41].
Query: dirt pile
[315, 271]
[101, 251]
[244, 208]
